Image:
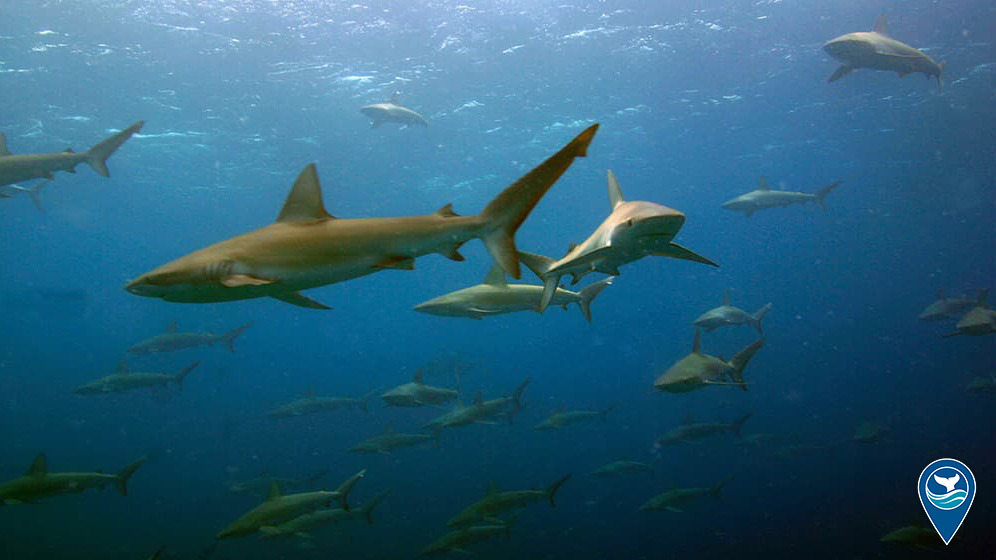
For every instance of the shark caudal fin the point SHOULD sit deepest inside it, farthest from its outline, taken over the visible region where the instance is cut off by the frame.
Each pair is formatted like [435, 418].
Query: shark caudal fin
[823, 192]
[758, 316]
[97, 155]
[229, 337]
[738, 424]
[541, 266]
[587, 295]
[715, 490]
[121, 481]
[740, 361]
[369, 507]
[517, 398]
[178, 378]
[502, 216]
[346, 487]
[551, 491]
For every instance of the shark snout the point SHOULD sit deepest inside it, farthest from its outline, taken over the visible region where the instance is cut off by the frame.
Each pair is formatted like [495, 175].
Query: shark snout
[141, 287]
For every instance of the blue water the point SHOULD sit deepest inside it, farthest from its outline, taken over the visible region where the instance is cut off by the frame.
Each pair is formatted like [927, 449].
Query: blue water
[695, 104]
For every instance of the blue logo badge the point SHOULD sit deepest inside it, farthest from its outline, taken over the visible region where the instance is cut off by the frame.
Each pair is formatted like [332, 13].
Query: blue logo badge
[947, 488]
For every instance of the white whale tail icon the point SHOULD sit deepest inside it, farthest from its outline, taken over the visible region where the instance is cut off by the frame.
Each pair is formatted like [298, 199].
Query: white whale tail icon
[948, 483]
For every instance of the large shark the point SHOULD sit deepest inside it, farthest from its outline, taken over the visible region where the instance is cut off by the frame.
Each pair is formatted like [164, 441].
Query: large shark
[496, 296]
[481, 411]
[24, 167]
[764, 197]
[39, 483]
[279, 508]
[633, 230]
[698, 370]
[417, 393]
[301, 525]
[676, 498]
[563, 417]
[392, 111]
[947, 308]
[389, 440]
[307, 247]
[494, 502]
[127, 380]
[979, 321]
[314, 404]
[877, 51]
[726, 315]
[171, 340]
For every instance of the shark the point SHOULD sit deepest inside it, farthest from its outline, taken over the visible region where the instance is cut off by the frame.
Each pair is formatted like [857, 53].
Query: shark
[690, 432]
[280, 508]
[764, 197]
[982, 385]
[623, 468]
[676, 498]
[494, 502]
[459, 540]
[314, 404]
[947, 308]
[171, 340]
[417, 393]
[261, 484]
[307, 247]
[726, 316]
[394, 112]
[563, 417]
[481, 411]
[301, 525]
[33, 192]
[495, 296]
[698, 370]
[979, 321]
[127, 380]
[633, 230]
[39, 483]
[915, 536]
[15, 168]
[876, 50]
[390, 440]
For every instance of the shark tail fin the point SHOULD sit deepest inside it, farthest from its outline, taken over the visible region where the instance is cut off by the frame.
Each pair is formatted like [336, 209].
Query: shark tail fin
[121, 482]
[738, 424]
[346, 487]
[823, 192]
[588, 294]
[97, 156]
[229, 337]
[369, 507]
[502, 217]
[715, 490]
[604, 413]
[184, 373]
[740, 361]
[758, 316]
[551, 491]
[34, 191]
[517, 397]
[541, 266]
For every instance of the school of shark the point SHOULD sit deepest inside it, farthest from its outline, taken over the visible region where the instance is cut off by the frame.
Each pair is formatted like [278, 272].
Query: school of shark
[310, 246]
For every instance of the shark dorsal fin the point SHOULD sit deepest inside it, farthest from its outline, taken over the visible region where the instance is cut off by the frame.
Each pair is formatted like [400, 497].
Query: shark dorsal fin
[274, 491]
[171, 327]
[726, 297]
[39, 467]
[394, 98]
[447, 211]
[615, 193]
[478, 398]
[571, 247]
[492, 488]
[496, 276]
[3, 145]
[417, 378]
[697, 345]
[880, 25]
[304, 203]
[122, 368]
[762, 185]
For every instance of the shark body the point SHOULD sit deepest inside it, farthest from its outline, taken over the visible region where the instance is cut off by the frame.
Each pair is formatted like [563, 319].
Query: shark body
[481, 411]
[125, 380]
[390, 440]
[417, 393]
[392, 112]
[623, 468]
[979, 321]
[307, 247]
[726, 316]
[698, 370]
[314, 404]
[764, 197]
[947, 308]
[494, 502]
[38, 483]
[676, 498]
[633, 230]
[690, 432]
[301, 525]
[15, 168]
[563, 418]
[171, 340]
[459, 540]
[875, 50]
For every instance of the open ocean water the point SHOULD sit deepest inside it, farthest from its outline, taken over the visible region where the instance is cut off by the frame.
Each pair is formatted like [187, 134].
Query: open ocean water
[696, 101]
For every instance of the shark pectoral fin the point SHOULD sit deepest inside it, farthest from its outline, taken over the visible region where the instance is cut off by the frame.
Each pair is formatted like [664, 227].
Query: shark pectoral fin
[676, 251]
[399, 263]
[452, 253]
[841, 72]
[296, 298]
[239, 280]
[674, 509]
